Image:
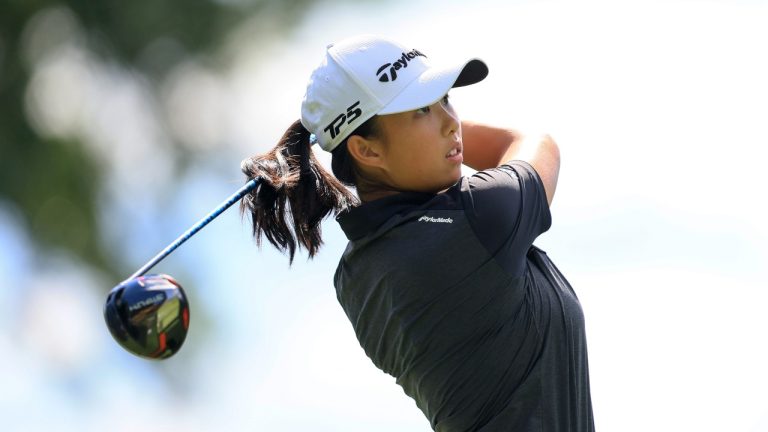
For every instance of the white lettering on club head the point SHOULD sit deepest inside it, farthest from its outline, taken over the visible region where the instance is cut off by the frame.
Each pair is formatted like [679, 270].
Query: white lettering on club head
[146, 302]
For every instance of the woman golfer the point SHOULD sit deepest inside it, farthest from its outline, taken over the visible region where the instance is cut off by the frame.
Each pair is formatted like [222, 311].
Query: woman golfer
[440, 278]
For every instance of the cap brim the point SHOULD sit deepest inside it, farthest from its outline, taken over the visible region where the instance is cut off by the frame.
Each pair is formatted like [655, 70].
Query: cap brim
[435, 83]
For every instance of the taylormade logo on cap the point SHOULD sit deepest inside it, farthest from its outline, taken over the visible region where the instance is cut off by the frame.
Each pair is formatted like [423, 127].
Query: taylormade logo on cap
[368, 75]
[402, 62]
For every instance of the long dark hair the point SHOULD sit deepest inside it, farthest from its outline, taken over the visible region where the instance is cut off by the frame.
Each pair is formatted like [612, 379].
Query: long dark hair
[296, 193]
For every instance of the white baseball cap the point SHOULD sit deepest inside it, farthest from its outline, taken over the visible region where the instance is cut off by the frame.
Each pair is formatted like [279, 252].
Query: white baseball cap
[367, 75]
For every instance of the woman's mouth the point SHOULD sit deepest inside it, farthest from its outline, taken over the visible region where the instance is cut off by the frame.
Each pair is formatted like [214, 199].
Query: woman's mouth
[455, 155]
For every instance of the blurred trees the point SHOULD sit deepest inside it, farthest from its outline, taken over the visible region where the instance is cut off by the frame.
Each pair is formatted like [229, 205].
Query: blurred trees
[54, 181]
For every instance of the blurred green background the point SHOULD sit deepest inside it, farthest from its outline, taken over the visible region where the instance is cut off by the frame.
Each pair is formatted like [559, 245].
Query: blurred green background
[122, 123]
[50, 171]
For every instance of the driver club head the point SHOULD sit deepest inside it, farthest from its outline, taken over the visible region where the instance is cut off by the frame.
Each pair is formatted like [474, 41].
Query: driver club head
[148, 315]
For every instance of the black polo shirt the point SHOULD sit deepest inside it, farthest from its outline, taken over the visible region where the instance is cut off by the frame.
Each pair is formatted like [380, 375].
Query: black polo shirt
[447, 293]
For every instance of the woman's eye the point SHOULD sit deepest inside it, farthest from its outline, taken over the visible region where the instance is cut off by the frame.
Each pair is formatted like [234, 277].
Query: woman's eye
[425, 110]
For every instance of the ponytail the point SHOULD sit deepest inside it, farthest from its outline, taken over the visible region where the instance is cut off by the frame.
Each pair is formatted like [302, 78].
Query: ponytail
[294, 196]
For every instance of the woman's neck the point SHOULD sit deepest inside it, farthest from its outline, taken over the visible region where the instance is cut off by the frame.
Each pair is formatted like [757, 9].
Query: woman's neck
[368, 194]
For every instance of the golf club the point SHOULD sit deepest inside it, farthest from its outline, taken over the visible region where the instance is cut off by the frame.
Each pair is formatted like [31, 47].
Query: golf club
[148, 315]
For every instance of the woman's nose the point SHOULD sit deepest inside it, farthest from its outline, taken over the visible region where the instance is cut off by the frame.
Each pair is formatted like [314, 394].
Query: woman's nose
[450, 120]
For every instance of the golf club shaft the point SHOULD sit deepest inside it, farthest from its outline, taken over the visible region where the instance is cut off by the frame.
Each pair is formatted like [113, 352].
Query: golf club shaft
[251, 185]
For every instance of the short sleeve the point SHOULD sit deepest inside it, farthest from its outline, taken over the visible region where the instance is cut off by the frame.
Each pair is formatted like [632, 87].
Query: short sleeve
[507, 208]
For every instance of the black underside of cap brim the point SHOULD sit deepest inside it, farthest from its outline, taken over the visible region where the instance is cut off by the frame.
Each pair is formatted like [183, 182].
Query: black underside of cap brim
[474, 71]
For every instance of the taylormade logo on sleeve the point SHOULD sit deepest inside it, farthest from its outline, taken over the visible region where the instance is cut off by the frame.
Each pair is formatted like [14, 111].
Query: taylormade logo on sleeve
[435, 220]
[391, 74]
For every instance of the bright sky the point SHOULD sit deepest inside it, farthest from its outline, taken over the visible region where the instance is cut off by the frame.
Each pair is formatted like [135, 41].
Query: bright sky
[660, 110]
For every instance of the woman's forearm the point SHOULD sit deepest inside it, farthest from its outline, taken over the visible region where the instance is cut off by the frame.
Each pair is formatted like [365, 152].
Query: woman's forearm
[488, 146]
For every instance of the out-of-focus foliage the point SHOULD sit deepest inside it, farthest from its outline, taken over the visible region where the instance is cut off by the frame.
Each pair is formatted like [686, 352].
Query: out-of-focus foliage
[54, 182]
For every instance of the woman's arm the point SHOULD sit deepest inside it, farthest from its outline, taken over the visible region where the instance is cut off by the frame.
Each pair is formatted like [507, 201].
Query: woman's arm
[488, 147]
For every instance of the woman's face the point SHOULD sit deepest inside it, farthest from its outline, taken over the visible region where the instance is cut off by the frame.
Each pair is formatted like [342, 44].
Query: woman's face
[421, 150]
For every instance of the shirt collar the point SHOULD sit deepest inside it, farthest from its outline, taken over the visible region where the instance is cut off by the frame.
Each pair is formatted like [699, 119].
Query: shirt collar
[359, 221]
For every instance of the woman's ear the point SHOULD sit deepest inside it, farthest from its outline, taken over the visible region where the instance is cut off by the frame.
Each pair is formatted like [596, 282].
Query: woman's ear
[365, 151]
